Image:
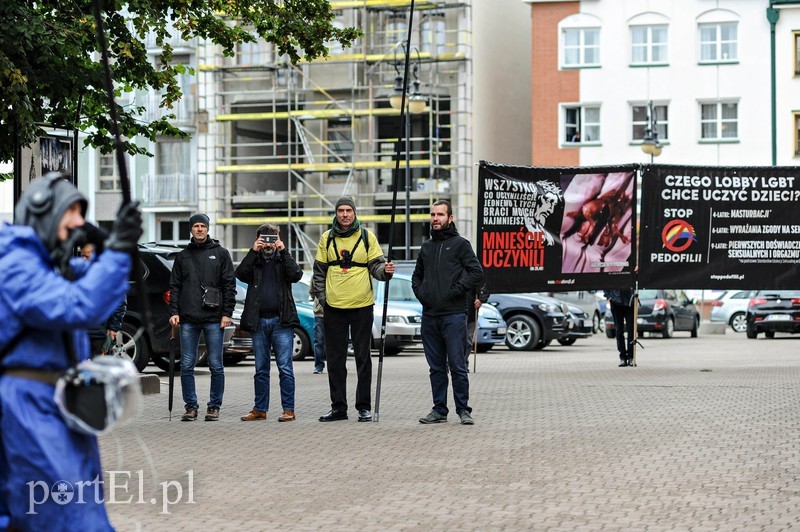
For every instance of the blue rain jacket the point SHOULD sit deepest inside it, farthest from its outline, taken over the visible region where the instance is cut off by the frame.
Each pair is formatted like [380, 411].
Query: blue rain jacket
[48, 473]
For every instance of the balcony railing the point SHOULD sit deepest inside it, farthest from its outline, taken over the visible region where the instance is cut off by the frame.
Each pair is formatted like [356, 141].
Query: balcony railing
[169, 190]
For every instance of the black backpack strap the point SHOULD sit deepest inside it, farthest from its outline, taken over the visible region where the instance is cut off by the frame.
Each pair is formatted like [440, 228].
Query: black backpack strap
[338, 261]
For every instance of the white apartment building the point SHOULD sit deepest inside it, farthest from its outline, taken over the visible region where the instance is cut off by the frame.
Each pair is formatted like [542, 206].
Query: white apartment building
[704, 64]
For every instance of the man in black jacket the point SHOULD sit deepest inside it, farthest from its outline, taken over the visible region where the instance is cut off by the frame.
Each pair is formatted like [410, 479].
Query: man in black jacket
[270, 315]
[446, 271]
[202, 297]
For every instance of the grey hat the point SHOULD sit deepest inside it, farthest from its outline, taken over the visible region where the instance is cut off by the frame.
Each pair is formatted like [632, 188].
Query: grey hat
[346, 200]
[199, 218]
[44, 203]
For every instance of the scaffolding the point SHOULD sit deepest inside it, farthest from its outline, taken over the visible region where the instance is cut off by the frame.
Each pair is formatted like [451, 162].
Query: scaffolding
[280, 143]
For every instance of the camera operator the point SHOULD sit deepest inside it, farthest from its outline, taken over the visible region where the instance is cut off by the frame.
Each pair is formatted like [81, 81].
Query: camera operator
[48, 299]
[270, 316]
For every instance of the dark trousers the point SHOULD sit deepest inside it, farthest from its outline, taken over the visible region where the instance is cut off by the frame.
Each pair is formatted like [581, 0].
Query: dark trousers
[357, 325]
[444, 339]
[623, 323]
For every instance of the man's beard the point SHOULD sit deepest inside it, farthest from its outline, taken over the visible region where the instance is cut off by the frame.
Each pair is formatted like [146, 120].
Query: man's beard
[267, 253]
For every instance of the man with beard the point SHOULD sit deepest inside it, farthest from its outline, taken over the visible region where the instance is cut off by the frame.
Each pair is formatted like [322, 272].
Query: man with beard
[203, 294]
[270, 316]
[446, 271]
[347, 256]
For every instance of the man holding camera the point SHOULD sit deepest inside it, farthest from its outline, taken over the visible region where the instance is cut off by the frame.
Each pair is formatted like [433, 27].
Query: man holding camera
[202, 297]
[270, 316]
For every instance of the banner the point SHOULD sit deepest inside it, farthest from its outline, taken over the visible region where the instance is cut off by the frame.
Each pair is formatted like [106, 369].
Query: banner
[556, 229]
[715, 227]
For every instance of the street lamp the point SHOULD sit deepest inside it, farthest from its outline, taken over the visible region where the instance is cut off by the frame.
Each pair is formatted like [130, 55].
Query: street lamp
[415, 104]
[650, 143]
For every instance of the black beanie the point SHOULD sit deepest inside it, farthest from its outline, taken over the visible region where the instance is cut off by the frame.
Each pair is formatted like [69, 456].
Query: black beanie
[346, 200]
[199, 218]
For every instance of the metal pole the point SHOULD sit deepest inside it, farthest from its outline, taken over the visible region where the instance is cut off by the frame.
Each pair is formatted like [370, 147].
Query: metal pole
[408, 187]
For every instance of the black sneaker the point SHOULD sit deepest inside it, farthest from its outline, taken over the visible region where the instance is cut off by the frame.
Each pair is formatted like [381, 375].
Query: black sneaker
[364, 415]
[190, 414]
[212, 414]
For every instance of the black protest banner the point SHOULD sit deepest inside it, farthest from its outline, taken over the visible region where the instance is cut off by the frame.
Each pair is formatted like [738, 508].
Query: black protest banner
[556, 229]
[717, 227]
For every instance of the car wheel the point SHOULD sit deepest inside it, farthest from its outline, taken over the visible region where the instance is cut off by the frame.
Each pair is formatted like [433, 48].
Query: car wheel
[696, 326]
[739, 322]
[567, 341]
[133, 344]
[596, 322]
[522, 333]
[669, 328]
[769, 334]
[751, 333]
[609, 333]
[484, 348]
[301, 345]
[162, 362]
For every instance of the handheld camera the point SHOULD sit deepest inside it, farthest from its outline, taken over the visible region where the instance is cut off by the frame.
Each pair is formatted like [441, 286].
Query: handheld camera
[268, 239]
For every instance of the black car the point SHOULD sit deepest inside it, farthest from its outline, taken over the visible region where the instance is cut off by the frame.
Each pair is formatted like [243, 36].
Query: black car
[146, 340]
[579, 325]
[533, 320]
[771, 311]
[662, 311]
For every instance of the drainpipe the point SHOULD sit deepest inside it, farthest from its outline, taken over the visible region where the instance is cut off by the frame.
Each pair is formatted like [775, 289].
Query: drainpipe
[772, 16]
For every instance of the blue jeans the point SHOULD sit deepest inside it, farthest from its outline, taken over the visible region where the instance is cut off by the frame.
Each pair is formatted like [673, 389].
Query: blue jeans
[190, 339]
[319, 344]
[269, 336]
[444, 339]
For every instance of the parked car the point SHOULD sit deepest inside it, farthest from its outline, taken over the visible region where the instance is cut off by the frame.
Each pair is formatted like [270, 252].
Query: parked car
[579, 325]
[731, 308]
[491, 328]
[771, 311]
[148, 340]
[599, 314]
[533, 320]
[662, 311]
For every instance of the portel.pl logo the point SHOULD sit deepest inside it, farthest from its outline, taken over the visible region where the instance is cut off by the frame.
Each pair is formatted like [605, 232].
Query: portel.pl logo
[119, 490]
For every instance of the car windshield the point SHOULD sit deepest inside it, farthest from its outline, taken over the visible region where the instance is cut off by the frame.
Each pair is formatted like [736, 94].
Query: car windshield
[648, 294]
[399, 290]
[300, 292]
[779, 294]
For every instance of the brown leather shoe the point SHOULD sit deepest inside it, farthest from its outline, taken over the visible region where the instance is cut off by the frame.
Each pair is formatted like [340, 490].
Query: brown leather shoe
[254, 415]
[288, 415]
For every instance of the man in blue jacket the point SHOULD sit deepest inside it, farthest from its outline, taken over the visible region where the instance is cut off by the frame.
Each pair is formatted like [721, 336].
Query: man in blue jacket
[202, 298]
[270, 315]
[447, 270]
[48, 299]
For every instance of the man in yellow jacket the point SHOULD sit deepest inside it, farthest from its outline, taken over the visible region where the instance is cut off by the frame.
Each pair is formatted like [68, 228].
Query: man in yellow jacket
[348, 256]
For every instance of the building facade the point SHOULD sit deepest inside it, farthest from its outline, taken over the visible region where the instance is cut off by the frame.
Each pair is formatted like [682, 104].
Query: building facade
[604, 72]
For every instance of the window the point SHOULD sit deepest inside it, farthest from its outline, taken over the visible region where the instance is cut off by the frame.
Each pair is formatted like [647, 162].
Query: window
[797, 133]
[640, 121]
[172, 231]
[108, 173]
[334, 46]
[719, 121]
[396, 28]
[718, 42]
[649, 44]
[340, 145]
[581, 47]
[172, 157]
[581, 124]
[797, 54]
[433, 34]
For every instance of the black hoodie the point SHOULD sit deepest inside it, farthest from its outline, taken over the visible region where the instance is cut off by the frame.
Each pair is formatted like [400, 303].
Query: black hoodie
[447, 269]
[186, 283]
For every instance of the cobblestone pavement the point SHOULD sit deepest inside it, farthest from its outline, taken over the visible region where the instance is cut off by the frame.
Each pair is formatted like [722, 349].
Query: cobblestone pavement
[702, 435]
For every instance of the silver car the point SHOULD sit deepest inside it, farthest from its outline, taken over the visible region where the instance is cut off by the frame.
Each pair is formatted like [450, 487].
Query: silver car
[731, 308]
